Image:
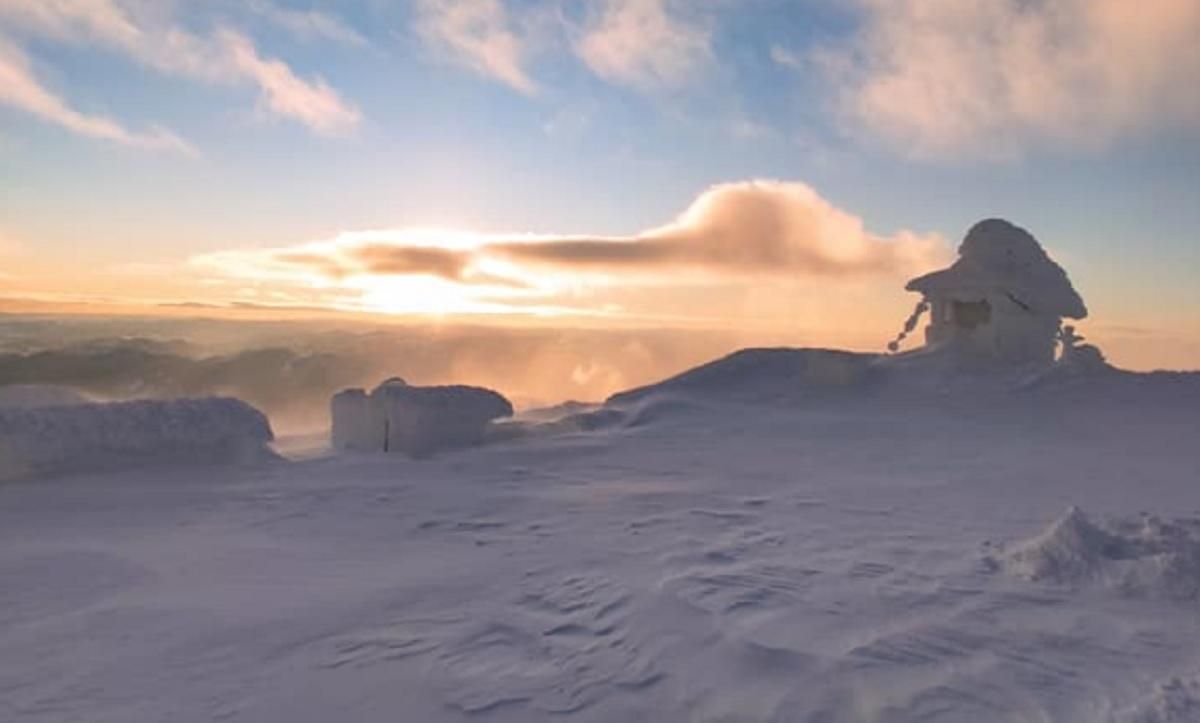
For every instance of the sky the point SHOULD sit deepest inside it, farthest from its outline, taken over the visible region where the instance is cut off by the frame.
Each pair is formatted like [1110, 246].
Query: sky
[779, 167]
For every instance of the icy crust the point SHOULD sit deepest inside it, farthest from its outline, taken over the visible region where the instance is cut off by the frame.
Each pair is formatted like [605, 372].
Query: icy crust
[90, 436]
[1142, 557]
[36, 396]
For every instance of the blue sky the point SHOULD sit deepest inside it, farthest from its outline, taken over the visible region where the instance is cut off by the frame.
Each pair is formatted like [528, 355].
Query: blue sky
[148, 134]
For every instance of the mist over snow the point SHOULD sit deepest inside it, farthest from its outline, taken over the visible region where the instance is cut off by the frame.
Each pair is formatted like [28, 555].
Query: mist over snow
[290, 369]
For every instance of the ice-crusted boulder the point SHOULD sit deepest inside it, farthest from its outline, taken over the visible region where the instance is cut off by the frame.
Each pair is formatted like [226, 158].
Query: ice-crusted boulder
[398, 417]
[1143, 556]
[84, 437]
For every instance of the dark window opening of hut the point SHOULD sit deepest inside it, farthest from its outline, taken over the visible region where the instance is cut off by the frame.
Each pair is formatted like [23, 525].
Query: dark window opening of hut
[970, 314]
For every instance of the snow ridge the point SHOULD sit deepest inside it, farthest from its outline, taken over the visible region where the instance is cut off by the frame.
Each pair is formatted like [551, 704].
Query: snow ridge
[104, 436]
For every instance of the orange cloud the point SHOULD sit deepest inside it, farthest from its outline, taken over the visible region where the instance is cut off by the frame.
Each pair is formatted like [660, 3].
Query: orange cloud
[740, 233]
[756, 227]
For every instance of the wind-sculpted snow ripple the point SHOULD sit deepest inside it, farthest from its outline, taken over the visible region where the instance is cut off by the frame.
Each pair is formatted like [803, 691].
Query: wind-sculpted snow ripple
[560, 646]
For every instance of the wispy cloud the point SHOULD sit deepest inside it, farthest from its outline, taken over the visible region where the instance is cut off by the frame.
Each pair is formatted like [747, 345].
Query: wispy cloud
[308, 24]
[991, 78]
[645, 44]
[20, 88]
[787, 58]
[737, 233]
[479, 35]
[312, 102]
[147, 34]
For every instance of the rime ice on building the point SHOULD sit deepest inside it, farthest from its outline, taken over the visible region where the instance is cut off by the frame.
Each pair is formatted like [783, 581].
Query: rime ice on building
[1003, 299]
[398, 417]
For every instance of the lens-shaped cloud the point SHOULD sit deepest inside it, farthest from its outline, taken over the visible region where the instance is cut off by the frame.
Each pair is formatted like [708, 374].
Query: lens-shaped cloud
[730, 233]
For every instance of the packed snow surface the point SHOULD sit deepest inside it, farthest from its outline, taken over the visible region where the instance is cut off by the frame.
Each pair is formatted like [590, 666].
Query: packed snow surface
[45, 439]
[890, 552]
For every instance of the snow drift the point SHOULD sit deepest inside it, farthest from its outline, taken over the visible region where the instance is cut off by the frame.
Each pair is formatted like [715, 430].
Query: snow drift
[35, 441]
[761, 374]
[1143, 556]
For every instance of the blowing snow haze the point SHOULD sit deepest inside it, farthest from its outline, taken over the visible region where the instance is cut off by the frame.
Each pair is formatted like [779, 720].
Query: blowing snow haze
[290, 369]
[519, 361]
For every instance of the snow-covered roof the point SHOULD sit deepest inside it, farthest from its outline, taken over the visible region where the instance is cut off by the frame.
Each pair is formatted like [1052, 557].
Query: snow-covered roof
[999, 256]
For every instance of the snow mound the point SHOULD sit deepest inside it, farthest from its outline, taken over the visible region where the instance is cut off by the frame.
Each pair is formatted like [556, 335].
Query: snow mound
[398, 417]
[36, 396]
[1176, 700]
[1141, 557]
[94, 436]
[757, 374]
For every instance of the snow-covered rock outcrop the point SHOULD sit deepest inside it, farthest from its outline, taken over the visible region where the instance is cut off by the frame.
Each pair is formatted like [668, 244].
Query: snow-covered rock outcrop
[1142, 556]
[398, 417]
[75, 437]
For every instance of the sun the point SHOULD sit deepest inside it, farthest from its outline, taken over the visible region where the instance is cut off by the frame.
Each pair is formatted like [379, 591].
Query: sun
[425, 295]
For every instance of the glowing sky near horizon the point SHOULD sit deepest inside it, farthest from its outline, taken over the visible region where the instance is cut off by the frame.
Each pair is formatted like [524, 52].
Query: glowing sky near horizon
[779, 165]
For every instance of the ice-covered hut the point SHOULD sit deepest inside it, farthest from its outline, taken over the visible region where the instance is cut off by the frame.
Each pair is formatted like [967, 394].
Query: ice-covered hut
[1003, 298]
[399, 417]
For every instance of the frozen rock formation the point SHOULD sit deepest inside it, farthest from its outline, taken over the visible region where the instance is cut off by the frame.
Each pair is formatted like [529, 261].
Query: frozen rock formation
[398, 417]
[34, 441]
[1003, 300]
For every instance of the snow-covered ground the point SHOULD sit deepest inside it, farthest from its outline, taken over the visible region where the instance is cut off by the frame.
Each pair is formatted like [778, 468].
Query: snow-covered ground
[857, 553]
